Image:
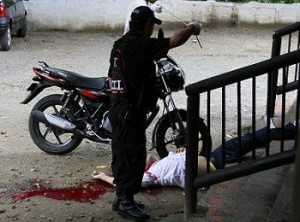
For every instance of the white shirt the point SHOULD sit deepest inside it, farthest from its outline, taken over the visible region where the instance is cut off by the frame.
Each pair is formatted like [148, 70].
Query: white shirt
[169, 171]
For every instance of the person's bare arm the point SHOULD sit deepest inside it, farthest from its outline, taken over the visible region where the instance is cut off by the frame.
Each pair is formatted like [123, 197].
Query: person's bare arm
[181, 36]
[102, 176]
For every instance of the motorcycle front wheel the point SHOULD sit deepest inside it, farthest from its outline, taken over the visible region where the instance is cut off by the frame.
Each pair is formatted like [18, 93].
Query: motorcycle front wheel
[167, 138]
[49, 139]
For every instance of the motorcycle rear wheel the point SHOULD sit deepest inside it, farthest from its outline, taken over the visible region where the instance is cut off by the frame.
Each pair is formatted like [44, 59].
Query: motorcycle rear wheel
[167, 139]
[49, 139]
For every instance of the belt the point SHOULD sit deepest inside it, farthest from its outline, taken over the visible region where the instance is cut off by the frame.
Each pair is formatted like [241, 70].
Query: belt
[116, 92]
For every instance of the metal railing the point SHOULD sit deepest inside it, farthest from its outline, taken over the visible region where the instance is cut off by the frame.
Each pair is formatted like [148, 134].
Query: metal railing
[296, 192]
[282, 43]
[263, 77]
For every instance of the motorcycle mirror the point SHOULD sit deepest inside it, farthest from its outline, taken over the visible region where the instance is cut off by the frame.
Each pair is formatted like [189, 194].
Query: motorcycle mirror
[160, 33]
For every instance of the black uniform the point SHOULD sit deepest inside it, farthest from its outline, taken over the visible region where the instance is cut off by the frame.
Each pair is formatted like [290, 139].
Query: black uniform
[132, 70]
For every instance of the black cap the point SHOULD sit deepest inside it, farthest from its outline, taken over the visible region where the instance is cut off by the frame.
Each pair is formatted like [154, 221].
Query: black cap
[143, 14]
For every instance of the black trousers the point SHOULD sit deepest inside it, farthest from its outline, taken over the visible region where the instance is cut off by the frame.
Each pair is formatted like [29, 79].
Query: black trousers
[128, 146]
[231, 151]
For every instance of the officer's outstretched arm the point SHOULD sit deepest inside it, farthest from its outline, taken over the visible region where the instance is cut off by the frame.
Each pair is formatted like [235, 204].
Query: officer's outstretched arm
[181, 36]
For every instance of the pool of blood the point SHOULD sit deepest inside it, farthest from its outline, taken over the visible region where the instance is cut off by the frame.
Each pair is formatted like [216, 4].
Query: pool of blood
[83, 192]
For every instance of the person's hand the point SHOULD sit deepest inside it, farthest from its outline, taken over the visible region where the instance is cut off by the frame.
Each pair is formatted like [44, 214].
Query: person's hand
[156, 7]
[196, 26]
[97, 175]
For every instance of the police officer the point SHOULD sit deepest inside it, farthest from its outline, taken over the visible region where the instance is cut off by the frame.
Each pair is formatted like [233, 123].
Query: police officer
[132, 73]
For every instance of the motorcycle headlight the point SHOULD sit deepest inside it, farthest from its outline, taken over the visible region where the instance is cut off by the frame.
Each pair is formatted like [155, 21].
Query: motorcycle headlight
[173, 75]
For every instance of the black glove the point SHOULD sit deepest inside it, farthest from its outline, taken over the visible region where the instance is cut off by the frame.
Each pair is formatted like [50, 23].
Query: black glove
[196, 27]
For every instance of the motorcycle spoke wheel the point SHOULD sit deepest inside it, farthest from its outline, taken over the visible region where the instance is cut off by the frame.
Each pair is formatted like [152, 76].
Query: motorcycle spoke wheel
[169, 138]
[170, 143]
[50, 139]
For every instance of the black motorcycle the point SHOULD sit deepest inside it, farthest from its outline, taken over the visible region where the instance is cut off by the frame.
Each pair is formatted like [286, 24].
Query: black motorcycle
[59, 122]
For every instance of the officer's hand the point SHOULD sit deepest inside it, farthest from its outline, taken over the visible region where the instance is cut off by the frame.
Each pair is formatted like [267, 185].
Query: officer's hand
[156, 7]
[196, 26]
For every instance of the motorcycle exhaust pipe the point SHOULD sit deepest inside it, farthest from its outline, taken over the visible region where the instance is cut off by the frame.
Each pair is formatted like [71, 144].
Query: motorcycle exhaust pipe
[54, 121]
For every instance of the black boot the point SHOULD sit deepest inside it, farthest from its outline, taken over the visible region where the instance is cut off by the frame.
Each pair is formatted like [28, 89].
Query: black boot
[128, 209]
[116, 202]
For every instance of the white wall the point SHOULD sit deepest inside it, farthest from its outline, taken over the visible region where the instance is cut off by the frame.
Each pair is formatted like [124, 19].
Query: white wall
[110, 14]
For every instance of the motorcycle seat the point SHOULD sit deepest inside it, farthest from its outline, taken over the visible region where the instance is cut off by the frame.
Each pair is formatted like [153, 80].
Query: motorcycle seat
[78, 80]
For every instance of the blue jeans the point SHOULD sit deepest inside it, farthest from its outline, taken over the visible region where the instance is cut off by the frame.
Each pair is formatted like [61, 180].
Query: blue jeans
[231, 146]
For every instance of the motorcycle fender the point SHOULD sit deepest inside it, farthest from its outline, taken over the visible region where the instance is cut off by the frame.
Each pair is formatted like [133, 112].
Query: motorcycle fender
[35, 89]
[172, 114]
